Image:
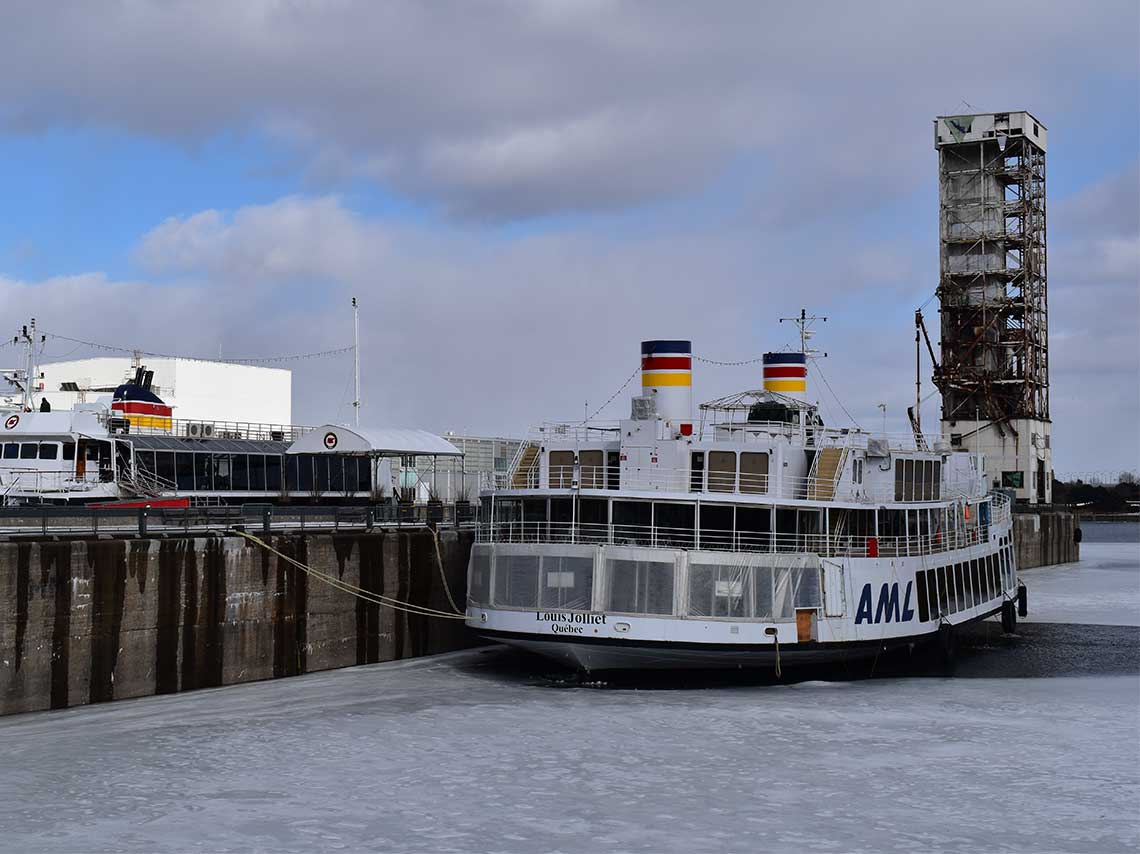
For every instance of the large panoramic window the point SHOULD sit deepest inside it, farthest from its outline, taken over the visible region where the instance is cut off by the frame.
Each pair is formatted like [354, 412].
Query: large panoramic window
[561, 465]
[639, 586]
[593, 469]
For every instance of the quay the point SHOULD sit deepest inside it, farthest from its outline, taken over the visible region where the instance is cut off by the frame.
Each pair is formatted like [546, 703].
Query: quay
[98, 605]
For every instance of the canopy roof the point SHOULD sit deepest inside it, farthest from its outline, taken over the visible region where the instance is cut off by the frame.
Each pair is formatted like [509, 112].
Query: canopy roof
[338, 439]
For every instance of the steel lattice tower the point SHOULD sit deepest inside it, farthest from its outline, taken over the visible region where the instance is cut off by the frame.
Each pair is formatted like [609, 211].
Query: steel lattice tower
[992, 289]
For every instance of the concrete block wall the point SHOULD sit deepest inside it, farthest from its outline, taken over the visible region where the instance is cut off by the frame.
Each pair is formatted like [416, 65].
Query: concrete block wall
[1046, 538]
[85, 621]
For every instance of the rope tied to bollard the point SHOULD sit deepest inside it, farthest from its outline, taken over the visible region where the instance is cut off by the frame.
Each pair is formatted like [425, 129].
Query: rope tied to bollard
[359, 592]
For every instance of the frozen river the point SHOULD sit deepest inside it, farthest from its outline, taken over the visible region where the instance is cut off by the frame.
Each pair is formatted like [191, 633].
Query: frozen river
[1034, 745]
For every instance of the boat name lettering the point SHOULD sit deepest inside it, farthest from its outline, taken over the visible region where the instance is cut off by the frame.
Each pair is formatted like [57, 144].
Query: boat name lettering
[578, 619]
[887, 608]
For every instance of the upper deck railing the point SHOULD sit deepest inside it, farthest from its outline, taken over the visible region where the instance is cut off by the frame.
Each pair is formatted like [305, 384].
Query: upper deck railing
[930, 538]
[814, 436]
[713, 484]
[207, 430]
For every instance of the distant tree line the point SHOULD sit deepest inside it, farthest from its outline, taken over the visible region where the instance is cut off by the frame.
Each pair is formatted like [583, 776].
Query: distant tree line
[1100, 497]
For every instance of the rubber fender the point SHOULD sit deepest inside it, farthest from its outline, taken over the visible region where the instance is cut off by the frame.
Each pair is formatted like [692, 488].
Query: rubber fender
[1008, 617]
[1022, 601]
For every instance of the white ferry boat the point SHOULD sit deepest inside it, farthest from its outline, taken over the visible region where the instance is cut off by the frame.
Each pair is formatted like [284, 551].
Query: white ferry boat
[755, 534]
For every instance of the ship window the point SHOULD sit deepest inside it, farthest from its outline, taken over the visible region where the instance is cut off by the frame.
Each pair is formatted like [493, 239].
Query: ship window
[753, 472]
[185, 465]
[364, 474]
[943, 591]
[145, 461]
[351, 474]
[479, 589]
[29, 451]
[716, 526]
[936, 494]
[305, 472]
[959, 587]
[292, 475]
[336, 474]
[11, 450]
[593, 469]
[969, 600]
[239, 472]
[639, 586]
[976, 581]
[320, 472]
[593, 520]
[899, 480]
[932, 592]
[69, 450]
[613, 469]
[273, 473]
[995, 575]
[223, 469]
[164, 466]
[567, 582]
[718, 590]
[722, 471]
[674, 525]
[920, 595]
[561, 465]
[632, 520]
[516, 581]
[255, 470]
[49, 450]
[753, 528]
[203, 473]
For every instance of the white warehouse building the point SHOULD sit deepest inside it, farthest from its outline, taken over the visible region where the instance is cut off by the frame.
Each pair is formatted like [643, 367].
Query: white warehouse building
[198, 390]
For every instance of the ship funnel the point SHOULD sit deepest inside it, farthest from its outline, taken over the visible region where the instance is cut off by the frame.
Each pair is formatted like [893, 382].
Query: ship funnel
[786, 373]
[667, 376]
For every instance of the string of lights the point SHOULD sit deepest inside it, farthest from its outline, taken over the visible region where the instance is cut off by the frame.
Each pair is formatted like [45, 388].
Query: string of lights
[250, 360]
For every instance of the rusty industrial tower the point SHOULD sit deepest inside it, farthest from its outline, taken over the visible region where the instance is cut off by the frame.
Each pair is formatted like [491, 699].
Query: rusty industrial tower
[993, 295]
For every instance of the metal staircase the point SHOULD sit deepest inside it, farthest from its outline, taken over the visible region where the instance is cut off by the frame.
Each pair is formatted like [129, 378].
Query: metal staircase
[826, 469]
[524, 471]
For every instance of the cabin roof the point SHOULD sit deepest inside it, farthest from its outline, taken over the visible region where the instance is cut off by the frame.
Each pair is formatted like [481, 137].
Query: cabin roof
[385, 442]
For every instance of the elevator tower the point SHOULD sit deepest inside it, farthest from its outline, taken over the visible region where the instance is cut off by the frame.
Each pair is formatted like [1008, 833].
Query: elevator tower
[992, 291]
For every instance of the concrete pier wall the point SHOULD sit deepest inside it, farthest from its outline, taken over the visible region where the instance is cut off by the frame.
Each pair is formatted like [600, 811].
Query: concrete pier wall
[84, 621]
[1045, 538]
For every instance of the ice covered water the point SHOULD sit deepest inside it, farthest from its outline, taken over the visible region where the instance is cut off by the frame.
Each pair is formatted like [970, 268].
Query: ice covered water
[1033, 745]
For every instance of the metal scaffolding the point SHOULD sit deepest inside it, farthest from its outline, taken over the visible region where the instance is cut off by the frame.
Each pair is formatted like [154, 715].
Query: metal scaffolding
[992, 286]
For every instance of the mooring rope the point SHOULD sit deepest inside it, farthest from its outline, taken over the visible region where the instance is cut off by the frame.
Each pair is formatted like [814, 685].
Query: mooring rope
[359, 592]
[443, 575]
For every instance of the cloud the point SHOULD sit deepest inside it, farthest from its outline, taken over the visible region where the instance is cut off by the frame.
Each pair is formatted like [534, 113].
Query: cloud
[505, 110]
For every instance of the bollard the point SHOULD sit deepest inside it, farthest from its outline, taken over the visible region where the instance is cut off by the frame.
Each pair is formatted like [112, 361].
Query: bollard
[142, 521]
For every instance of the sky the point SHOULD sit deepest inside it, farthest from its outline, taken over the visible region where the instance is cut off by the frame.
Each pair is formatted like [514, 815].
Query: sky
[520, 193]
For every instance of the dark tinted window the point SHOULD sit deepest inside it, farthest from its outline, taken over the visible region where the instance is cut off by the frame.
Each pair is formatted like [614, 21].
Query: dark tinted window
[69, 450]
[49, 450]
[273, 473]
[29, 451]
[256, 467]
[185, 468]
[239, 472]
[11, 450]
[203, 473]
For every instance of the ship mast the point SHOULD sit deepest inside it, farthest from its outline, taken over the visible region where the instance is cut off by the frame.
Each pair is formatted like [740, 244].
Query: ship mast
[355, 362]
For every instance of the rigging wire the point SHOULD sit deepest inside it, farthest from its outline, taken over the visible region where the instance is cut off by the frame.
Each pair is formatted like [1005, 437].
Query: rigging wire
[613, 396]
[819, 370]
[246, 360]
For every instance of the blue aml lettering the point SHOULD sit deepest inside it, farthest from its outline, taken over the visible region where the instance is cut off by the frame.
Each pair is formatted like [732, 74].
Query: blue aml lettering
[887, 608]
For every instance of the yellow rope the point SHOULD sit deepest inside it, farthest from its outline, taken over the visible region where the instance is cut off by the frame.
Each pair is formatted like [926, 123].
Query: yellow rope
[442, 574]
[359, 592]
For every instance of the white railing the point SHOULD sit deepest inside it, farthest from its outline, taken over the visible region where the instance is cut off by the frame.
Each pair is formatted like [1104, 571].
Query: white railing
[714, 483]
[207, 430]
[653, 536]
[31, 481]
